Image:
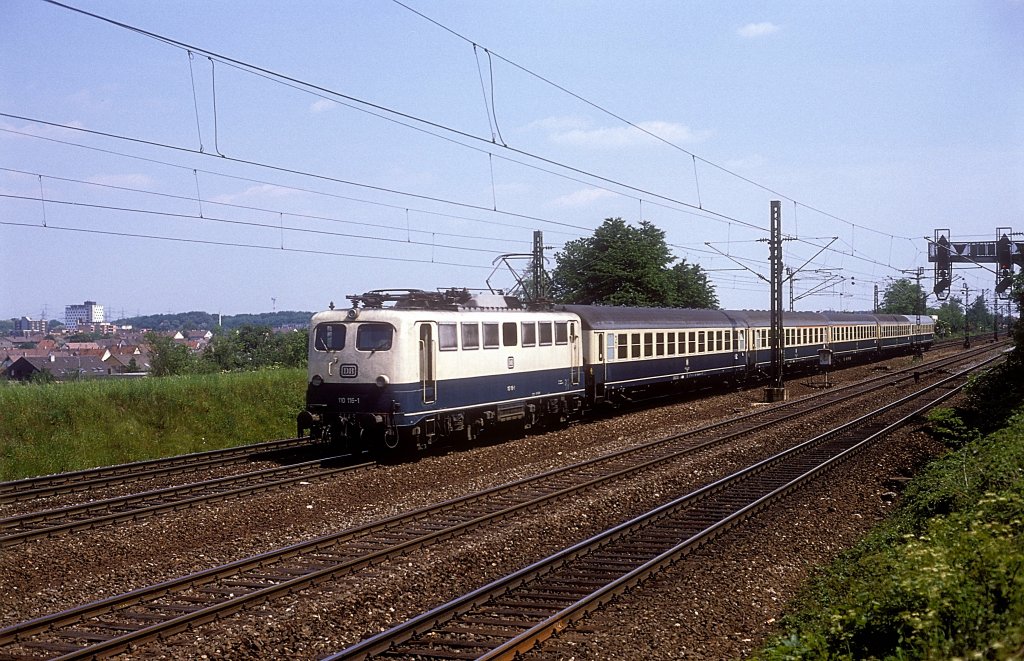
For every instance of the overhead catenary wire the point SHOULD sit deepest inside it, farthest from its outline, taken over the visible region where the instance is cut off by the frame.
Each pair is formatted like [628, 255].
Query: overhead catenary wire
[303, 85]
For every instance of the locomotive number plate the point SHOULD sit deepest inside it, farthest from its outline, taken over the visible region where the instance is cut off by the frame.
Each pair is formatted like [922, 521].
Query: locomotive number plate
[349, 371]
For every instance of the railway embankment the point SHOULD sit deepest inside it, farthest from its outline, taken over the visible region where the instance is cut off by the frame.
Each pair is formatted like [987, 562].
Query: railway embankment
[51, 428]
[944, 576]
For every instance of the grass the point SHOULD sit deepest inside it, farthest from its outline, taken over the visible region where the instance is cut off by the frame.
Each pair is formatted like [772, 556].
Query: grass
[943, 578]
[50, 428]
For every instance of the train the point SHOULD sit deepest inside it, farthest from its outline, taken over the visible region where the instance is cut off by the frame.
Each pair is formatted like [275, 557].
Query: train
[403, 369]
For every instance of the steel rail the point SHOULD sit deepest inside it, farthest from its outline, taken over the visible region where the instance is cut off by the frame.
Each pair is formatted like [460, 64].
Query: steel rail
[49, 523]
[318, 558]
[90, 478]
[468, 626]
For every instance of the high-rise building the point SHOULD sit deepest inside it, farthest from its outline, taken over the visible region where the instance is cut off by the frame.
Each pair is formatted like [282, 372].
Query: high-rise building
[87, 313]
[27, 325]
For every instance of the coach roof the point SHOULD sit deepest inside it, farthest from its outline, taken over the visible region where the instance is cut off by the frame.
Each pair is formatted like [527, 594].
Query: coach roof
[610, 317]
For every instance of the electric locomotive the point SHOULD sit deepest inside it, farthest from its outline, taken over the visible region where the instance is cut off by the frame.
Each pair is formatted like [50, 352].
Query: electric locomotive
[437, 365]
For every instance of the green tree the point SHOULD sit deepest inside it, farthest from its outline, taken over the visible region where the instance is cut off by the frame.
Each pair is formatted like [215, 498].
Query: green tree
[902, 297]
[625, 265]
[950, 317]
[168, 358]
[978, 317]
[690, 287]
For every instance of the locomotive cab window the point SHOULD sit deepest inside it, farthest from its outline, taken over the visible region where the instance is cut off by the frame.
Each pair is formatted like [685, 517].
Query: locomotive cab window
[374, 337]
[470, 336]
[529, 333]
[329, 337]
[544, 331]
[561, 332]
[447, 337]
[509, 337]
[490, 336]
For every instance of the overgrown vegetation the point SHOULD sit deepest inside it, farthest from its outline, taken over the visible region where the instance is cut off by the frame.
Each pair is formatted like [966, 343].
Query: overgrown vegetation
[944, 577]
[245, 348]
[49, 428]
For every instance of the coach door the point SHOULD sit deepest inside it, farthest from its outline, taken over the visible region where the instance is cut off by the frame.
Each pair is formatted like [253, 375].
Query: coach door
[428, 364]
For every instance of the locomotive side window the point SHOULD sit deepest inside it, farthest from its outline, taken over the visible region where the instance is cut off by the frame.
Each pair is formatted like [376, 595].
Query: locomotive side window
[374, 337]
[470, 336]
[509, 338]
[623, 346]
[490, 336]
[544, 331]
[561, 332]
[529, 333]
[329, 337]
[447, 337]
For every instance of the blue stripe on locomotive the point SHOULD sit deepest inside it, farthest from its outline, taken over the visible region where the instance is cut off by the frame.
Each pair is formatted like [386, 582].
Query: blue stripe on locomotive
[405, 400]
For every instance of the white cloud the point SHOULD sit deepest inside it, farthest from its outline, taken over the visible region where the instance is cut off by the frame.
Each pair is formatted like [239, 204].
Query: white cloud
[755, 30]
[751, 162]
[582, 198]
[254, 193]
[323, 105]
[575, 131]
[123, 180]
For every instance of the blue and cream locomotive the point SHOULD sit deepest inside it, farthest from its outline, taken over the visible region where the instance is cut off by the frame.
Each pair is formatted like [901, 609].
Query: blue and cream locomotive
[402, 369]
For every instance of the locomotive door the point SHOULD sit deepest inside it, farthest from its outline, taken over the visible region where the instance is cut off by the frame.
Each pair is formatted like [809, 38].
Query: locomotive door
[577, 357]
[428, 364]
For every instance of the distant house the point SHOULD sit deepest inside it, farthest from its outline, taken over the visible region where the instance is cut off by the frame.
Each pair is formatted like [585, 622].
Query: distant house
[62, 368]
[128, 363]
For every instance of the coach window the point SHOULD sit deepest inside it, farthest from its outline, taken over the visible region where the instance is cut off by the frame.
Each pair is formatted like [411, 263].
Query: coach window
[648, 345]
[374, 337]
[719, 341]
[692, 342]
[561, 332]
[508, 334]
[329, 337]
[447, 337]
[670, 346]
[700, 341]
[635, 352]
[490, 336]
[470, 336]
[728, 340]
[622, 342]
[529, 333]
[544, 331]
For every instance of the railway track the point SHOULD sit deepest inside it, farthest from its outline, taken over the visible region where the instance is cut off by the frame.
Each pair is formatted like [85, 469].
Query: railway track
[512, 615]
[48, 523]
[110, 625]
[45, 486]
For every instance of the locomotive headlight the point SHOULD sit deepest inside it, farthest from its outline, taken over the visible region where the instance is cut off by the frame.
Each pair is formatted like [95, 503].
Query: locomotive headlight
[382, 380]
[316, 380]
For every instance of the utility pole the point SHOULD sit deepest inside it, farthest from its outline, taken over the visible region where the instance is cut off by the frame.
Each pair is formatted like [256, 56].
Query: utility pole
[776, 392]
[967, 336]
[539, 290]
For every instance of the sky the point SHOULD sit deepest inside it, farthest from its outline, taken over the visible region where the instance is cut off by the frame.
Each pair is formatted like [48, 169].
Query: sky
[241, 157]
